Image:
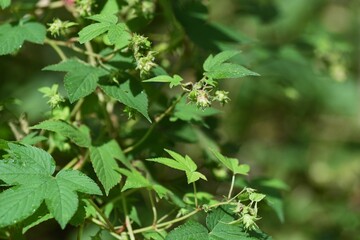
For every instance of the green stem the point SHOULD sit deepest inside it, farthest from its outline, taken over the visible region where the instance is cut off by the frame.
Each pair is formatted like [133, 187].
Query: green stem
[140, 230]
[232, 186]
[56, 48]
[156, 122]
[127, 219]
[76, 107]
[100, 212]
[153, 208]
[195, 197]
[80, 232]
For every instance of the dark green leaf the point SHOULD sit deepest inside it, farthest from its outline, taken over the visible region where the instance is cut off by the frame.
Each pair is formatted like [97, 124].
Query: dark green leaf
[229, 70]
[189, 231]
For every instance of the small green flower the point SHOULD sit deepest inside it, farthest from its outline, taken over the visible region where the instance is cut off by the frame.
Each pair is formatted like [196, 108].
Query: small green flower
[52, 93]
[145, 63]
[58, 27]
[222, 97]
[202, 99]
[84, 7]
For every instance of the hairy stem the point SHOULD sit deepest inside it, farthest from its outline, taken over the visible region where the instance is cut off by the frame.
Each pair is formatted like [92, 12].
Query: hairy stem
[56, 48]
[127, 219]
[153, 208]
[232, 186]
[100, 212]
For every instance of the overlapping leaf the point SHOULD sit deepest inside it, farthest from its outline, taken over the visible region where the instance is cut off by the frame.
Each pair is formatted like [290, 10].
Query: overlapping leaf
[81, 78]
[13, 37]
[30, 170]
[117, 33]
[232, 163]
[216, 67]
[5, 3]
[174, 81]
[104, 163]
[79, 136]
[179, 162]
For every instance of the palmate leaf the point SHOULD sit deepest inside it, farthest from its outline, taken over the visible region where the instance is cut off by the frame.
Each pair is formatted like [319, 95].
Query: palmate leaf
[30, 170]
[174, 81]
[79, 136]
[117, 33]
[81, 78]
[220, 58]
[129, 93]
[12, 37]
[229, 70]
[179, 162]
[104, 164]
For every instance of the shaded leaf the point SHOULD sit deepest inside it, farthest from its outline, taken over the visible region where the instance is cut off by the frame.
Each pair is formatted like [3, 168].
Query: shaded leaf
[76, 135]
[231, 163]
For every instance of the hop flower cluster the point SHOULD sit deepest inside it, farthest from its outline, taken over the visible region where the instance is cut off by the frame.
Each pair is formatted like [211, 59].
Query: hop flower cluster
[58, 27]
[84, 7]
[200, 94]
[143, 55]
[145, 8]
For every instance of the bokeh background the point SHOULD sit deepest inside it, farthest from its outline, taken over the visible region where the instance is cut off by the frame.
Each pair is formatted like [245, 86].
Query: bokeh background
[299, 122]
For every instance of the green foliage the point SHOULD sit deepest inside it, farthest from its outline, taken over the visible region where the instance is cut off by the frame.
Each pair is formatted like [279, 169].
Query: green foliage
[29, 171]
[13, 37]
[181, 163]
[110, 117]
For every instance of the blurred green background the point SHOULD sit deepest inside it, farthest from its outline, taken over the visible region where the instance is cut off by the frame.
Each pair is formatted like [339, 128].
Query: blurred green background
[298, 122]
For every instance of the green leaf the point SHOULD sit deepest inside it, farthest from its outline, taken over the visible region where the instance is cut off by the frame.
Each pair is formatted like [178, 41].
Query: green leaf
[5, 3]
[32, 139]
[12, 37]
[17, 203]
[119, 35]
[104, 18]
[229, 70]
[256, 197]
[189, 112]
[190, 230]
[211, 61]
[61, 201]
[77, 135]
[41, 215]
[92, 31]
[231, 163]
[174, 81]
[110, 7]
[77, 181]
[134, 179]
[129, 93]
[30, 169]
[104, 163]
[81, 79]
[179, 162]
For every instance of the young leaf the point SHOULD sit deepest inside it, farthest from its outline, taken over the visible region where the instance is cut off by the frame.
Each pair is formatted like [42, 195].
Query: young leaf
[77, 135]
[81, 79]
[104, 163]
[229, 70]
[179, 162]
[5, 3]
[211, 61]
[231, 163]
[130, 94]
[134, 179]
[174, 81]
[13, 37]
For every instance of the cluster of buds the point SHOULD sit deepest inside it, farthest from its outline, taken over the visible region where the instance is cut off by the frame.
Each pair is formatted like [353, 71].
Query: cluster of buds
[84, 7]
[200, 94]
[58, 27]
[145, 8]
[52, 93]
[145, 58]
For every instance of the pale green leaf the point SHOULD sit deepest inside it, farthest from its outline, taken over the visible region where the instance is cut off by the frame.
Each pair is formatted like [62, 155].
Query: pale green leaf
[256, 197]
[81, 79]
[80, 138]
[5, 3]
[231, 163]
[110, 7]
[218, 59]
[168, 162]
[194, 176]
[134, 179]
[119, 35]
[61, 201]
[130, 94]
[17, 203]
[77, 181]
[174, 81]
[32, 139]
[105, 166]
[13, 37]
[229, 70]
[104, 18]
[190, 230]
[92, 31]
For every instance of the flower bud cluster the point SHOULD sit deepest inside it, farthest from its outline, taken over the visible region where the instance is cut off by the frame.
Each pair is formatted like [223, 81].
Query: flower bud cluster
[200, 94]
[144, 57]
[145, 8]
[84, 7]
[52, 93]
[58, 27]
